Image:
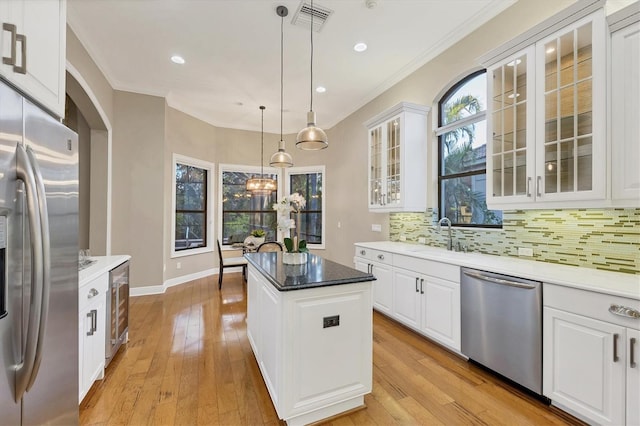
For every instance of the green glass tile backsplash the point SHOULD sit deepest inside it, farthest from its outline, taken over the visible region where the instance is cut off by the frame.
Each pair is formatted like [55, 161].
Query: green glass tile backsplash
[601, 239]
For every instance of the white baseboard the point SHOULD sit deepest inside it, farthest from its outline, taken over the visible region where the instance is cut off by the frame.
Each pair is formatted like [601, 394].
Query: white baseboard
[160, 289]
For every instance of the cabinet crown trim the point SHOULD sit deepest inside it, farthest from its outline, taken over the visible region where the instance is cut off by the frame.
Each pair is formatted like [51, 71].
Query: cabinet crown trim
[395, 110]
[549, 26]
[624, 17]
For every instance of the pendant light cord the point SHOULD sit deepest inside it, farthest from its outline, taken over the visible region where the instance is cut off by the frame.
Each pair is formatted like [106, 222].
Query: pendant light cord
[262, 144]
[281, 71]
[311, 86]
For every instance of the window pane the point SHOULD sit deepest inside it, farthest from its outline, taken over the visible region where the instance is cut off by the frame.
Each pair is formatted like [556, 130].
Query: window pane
[309, 185]
[466, 100]
[191, 207]
[243, 212]
[463, 201]
[464, 149]
[190, 230]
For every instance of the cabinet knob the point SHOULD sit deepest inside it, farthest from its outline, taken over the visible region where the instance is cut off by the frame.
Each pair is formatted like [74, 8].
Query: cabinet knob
[92, 293]
[362, 252]
[381, 256]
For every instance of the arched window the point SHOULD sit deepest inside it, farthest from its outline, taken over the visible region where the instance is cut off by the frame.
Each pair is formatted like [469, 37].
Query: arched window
[462, 142]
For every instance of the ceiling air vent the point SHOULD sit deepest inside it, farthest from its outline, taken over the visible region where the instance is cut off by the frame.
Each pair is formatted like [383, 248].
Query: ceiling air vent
[302, 16]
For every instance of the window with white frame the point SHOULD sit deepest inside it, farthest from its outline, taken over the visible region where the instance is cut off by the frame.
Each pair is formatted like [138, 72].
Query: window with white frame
[462, 154]
[310, 183]
[191, 206]
[242, 212]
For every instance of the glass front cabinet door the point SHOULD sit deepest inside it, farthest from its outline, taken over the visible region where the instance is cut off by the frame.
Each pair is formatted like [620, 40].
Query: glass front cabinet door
[397, 178]
[547, 121]
[511, 163]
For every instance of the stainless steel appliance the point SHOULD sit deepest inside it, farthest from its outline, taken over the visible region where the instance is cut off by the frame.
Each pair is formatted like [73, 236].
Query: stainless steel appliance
[39, 265]
[502, 325]
[117, 310]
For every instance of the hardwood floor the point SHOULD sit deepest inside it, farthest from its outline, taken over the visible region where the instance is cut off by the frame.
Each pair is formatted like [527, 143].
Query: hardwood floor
[188, 362]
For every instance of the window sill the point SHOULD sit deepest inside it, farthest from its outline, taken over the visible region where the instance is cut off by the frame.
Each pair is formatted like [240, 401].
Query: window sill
[183, 253]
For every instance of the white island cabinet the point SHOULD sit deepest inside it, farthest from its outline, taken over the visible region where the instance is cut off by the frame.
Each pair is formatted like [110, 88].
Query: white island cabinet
[310, 328]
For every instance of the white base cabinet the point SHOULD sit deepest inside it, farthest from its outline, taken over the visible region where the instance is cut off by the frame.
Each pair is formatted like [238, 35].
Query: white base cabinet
[590, 360]
[378, 263]
[422, 294]
[92, 299]
[33, 42]
[311, 371]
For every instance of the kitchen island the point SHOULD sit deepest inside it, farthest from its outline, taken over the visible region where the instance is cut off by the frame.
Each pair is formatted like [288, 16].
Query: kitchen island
[310, 328]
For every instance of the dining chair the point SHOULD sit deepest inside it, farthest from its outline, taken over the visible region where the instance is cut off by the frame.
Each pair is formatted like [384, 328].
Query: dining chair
[230, 262]
[270, 246]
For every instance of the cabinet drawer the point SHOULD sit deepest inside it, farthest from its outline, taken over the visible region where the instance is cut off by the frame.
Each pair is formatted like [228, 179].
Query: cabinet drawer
[444, 271]
[375, 255]
[92, 290]
[590, 304]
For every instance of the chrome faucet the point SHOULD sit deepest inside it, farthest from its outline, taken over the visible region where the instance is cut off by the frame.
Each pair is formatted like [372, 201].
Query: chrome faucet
[447, 222]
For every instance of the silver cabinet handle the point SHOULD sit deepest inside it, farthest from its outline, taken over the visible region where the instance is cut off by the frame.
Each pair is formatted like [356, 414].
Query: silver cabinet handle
[46, 262]
[417, 285]
[632, 344]
[22, 39]
[499, 280]
[362, 252]
[11, 60]
[539, 186]
[421, 285]
[615, 347]
[381, 256]
[624, 311]
[24, 172]
[529, 186]
[90, 316]
[92, 293]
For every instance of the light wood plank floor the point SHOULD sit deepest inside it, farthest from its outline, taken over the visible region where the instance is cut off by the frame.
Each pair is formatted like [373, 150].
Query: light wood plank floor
[188, 362]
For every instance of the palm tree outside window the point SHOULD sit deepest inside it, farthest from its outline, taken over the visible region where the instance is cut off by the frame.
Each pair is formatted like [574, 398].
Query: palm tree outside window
[462, 155]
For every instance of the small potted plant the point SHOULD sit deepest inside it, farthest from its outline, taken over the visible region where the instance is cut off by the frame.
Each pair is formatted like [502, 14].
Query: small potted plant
[258, 236]
[296, 248]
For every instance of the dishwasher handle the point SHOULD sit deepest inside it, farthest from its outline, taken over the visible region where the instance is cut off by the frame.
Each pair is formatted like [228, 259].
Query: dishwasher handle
[500, 281]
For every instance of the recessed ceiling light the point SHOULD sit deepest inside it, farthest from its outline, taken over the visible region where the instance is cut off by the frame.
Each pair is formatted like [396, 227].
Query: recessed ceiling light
[176, 59]
[551, 49]
[360, 47]
[321, 89]
[514, 63]
[513, 95]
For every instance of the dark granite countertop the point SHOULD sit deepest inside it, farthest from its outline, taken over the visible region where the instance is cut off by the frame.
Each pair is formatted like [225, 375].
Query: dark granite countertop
[317, 272]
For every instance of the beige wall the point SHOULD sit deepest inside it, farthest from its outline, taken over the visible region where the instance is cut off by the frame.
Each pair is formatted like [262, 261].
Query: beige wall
[146, 133]
[98, 202]
[138, 184]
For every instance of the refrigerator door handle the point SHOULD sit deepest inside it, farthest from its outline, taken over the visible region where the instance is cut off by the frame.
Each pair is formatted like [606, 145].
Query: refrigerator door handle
[46, 262]
[24, 172]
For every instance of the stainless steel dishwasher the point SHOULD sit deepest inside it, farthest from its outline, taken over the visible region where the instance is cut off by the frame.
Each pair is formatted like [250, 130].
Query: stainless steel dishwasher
[502, 325]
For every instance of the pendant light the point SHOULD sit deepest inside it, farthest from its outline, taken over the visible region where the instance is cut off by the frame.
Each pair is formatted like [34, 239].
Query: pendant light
[261, 185]
[312, 137]
[281, 158]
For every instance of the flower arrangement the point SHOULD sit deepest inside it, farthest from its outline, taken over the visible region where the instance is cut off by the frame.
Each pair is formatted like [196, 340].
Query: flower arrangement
[293, 203]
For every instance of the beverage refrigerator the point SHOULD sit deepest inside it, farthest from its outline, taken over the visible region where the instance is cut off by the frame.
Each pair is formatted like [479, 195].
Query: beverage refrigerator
[38, 265]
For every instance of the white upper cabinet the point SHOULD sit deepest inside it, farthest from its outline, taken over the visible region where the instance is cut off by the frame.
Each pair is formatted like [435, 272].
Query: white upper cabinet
[397, 178]
[547, 119]
[33, 49]
[625, 113]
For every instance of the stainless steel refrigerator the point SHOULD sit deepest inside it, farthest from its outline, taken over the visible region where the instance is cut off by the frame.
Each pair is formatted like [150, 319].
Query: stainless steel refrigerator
[39, 265]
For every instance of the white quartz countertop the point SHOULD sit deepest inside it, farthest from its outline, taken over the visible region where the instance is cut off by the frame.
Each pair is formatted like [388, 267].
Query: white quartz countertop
[614, 283]
[103, 264]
